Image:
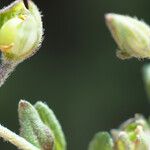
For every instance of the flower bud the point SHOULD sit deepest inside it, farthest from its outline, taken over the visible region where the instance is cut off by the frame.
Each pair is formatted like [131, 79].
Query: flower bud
[131, 35]
[20, 31]
[134, 134]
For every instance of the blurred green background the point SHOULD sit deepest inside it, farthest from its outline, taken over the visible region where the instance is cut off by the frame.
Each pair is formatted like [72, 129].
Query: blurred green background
[76, 71]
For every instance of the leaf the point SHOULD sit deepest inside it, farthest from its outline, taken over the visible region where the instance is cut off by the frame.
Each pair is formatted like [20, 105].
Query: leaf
[49, 118]
[32, 127]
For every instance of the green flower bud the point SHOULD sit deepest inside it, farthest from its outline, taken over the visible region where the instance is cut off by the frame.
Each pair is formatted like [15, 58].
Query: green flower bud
[32, 127]
[20, 31]
[49, 118]
[134, 134]
[131, 35]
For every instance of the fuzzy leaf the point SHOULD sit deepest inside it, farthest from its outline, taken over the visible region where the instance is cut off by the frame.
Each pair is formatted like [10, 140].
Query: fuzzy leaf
[49, 118]
[32, 127]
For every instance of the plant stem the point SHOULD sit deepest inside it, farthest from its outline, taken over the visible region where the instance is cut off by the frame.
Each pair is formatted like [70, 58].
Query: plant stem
[5, 69]
[15, 139]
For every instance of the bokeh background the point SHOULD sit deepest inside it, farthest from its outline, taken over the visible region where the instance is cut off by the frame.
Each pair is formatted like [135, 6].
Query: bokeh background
[76, 71]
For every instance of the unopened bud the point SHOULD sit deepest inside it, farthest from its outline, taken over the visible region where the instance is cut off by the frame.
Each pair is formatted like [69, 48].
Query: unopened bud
[131, 35]
[134, 134]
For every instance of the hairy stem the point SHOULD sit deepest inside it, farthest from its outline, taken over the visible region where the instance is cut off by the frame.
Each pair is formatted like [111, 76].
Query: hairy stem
[5, 70]
[18, 141]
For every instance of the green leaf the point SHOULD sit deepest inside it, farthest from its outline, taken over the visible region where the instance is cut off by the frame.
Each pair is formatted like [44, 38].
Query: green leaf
[49, 118]
[32, 127]
[101, 141]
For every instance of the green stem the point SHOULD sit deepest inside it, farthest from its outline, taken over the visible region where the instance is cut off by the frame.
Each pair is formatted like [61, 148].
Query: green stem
[15, 139]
